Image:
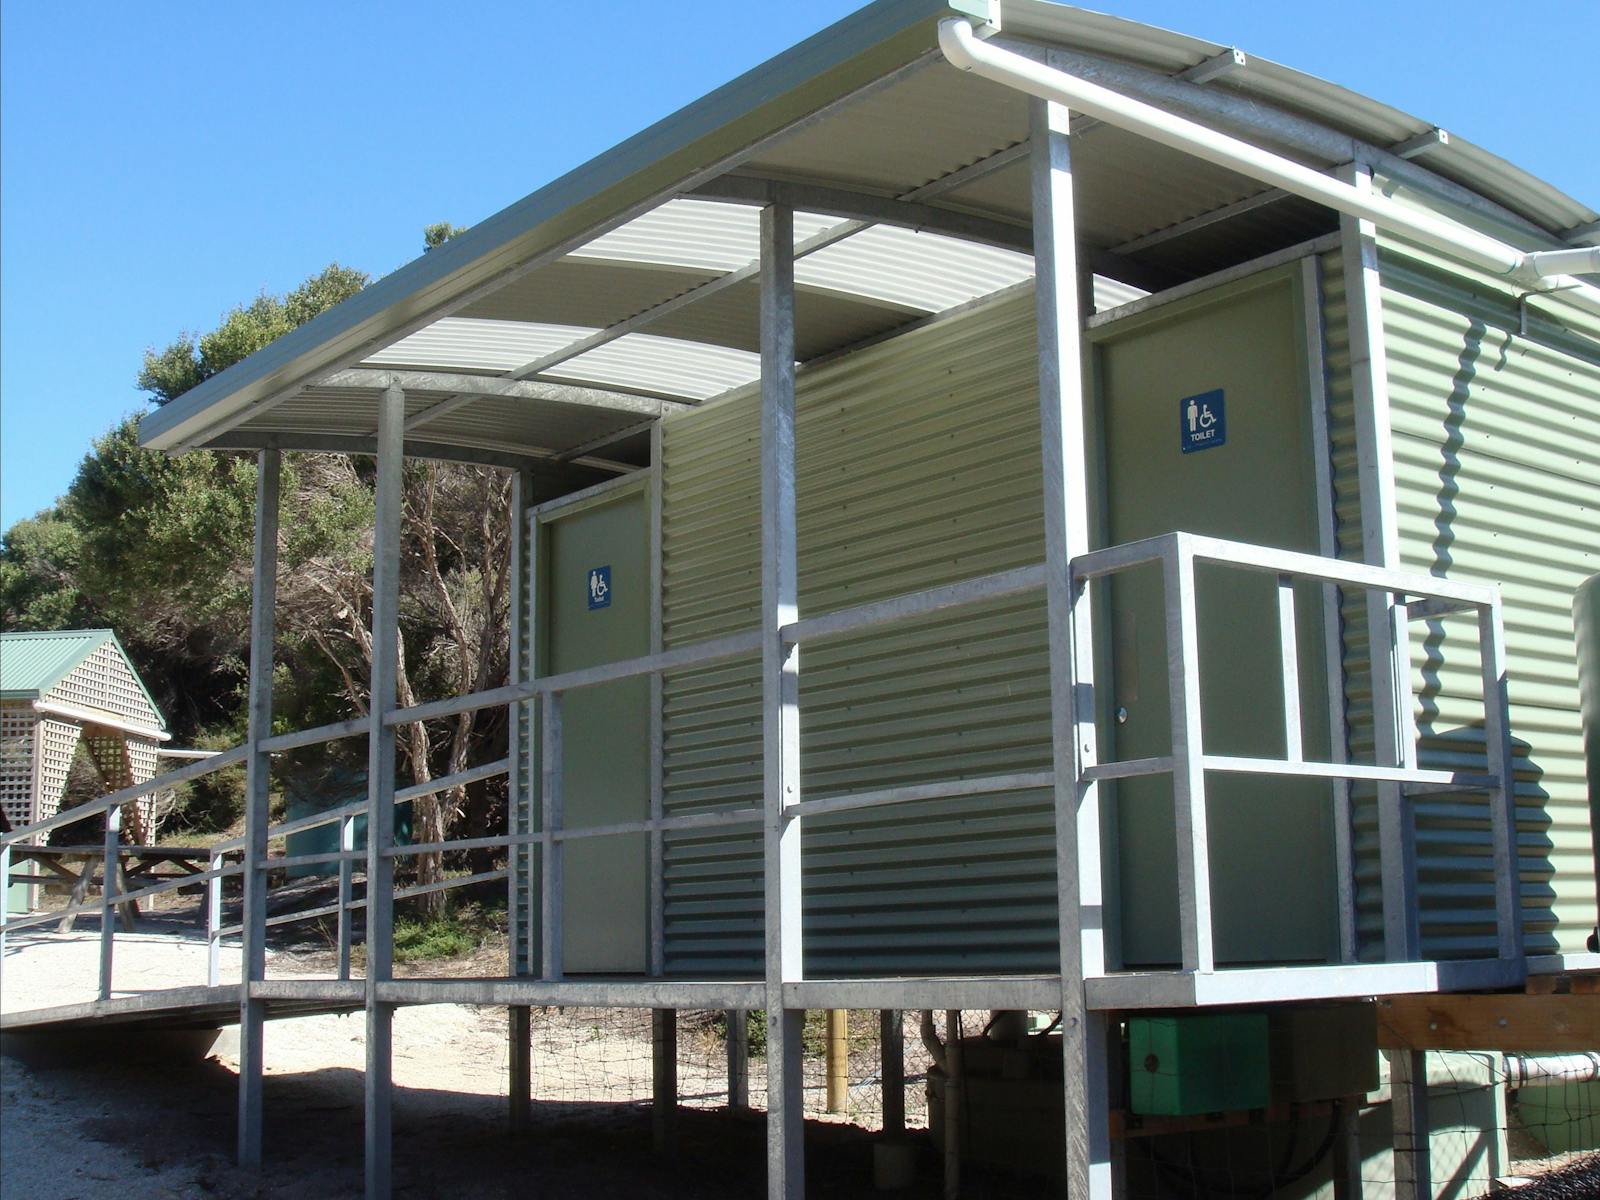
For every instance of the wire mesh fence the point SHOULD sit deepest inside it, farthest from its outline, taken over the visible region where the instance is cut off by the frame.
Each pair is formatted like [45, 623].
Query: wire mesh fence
[1496, 1121]
[587, 1057]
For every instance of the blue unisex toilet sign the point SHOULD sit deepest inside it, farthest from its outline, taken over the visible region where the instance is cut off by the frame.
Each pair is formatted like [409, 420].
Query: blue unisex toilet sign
[600, 587]
[1202, 421]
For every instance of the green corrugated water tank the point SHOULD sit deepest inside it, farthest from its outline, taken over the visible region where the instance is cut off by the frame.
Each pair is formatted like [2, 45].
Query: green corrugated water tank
[1586, 625]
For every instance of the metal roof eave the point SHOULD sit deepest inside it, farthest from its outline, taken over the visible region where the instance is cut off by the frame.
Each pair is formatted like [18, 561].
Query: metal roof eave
[870, 48]
[696, 140]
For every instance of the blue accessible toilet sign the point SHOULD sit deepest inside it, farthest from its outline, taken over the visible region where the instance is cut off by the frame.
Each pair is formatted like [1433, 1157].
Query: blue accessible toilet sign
[600, 587]
[1202, 421]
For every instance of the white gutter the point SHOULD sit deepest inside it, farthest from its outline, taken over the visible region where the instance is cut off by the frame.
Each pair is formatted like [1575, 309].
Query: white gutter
[1539, 270]
[90, 716]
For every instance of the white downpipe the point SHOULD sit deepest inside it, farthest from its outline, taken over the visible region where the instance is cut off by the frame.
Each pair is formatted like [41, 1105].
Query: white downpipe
[965, 50]
[1547, 1070]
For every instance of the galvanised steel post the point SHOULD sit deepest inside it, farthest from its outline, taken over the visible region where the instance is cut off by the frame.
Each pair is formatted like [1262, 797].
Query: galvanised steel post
[519, 815]
[258, 780]
[1063, 438]
[780, 708]
[380, 791]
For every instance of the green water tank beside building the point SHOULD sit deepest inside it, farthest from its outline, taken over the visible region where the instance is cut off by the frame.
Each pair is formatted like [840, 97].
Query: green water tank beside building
[1586, 625]
[318, 790]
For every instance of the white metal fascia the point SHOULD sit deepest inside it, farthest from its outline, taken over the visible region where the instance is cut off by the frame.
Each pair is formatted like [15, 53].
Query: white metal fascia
[93, 716]
[964, 50]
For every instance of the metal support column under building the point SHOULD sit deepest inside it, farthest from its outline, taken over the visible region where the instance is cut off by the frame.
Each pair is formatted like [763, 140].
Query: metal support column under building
[258, 778]
[780, 707]
[892, 1059]
[519, 822]
[1390, 664]
[380, 790]
[1064, 439]
[664, 1079]
[738, 1047]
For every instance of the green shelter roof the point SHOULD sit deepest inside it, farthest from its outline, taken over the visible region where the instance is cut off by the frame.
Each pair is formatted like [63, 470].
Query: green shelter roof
[31, 663]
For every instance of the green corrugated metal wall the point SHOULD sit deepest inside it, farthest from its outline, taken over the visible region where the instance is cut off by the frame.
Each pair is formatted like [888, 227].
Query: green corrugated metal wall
[918, 464]
[1495, 435]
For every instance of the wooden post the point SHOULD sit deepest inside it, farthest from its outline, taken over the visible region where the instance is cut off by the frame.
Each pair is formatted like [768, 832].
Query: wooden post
[838, 1060]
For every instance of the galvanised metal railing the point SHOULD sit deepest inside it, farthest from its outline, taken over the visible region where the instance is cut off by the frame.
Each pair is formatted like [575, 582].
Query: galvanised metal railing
[1405, 596]
[1408, 596]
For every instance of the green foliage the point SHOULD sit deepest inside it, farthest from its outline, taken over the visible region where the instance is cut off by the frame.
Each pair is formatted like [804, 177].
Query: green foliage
[212, 804]
[38, 574]
[190, 360]
[160, 549]
[453, 933]
[439, 233]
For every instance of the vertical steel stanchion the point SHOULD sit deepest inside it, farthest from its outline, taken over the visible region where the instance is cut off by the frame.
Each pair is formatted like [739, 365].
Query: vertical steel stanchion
[258, 767]
[347, 868]
[379, 1150]
[214, 865]
[108, 890]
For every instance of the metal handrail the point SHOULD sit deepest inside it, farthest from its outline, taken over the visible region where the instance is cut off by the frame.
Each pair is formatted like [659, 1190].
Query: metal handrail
[1188, 763]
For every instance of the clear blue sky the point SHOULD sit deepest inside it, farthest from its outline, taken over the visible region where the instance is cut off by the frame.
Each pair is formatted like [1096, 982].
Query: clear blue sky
[164, 161]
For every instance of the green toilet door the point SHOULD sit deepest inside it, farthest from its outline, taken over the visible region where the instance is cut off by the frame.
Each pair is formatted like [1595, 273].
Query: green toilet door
[1206, 420]
[597, 589]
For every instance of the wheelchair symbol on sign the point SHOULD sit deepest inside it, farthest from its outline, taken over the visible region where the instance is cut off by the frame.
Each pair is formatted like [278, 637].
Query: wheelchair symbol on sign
[1202, 421]
[600, 587]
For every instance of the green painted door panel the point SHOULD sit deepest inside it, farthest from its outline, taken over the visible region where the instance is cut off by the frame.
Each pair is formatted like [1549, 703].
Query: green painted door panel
[606, 747]
[1271, 843]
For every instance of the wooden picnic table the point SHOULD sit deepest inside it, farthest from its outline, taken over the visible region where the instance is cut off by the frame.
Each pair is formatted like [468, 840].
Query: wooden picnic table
[137, 866]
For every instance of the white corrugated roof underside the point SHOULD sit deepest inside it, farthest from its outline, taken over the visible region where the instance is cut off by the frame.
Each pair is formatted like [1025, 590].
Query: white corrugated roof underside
[877, 264]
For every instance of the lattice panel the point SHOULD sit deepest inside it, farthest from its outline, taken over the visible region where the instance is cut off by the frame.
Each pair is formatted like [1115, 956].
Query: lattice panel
[58, 740]
[104, 681]
[142, 758]
[17, 723]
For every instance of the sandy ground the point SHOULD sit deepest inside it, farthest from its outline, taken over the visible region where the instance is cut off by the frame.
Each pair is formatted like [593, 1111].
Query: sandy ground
[110, 1125]
[106, 1126]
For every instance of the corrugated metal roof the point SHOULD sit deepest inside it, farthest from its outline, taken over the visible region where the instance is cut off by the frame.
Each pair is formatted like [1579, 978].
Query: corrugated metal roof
[700, 352]
[695, 233]
[33, 663]
[609, 240]
[694, 370]
[475, 344]
[920, 270]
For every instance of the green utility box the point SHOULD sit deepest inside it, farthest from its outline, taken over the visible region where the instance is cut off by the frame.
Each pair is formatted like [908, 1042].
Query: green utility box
[317, 789]
[17, 893]
[1198, 1063]
[1323, 1051]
